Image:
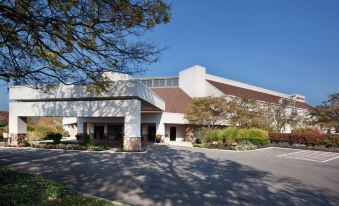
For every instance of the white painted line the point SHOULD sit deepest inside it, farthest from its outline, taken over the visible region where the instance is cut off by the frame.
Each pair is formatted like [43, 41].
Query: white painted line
[102, 199]
[331, 159]
[316, 156]
[282, 155]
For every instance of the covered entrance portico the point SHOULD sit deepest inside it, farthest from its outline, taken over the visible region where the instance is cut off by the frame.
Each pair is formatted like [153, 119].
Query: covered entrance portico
[123, 104]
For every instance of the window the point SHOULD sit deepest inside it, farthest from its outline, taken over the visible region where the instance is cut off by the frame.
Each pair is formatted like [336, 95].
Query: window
[149, 83]
[175, 82]
[156, 83]
[144, 82]
[161, 83]
[169, 82]
[172, 82]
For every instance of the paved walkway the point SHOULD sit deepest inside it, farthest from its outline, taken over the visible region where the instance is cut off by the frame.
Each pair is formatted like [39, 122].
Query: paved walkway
[168, 175]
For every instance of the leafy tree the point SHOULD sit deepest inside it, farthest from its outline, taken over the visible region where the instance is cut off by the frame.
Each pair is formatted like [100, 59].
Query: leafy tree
[327, 113]
[74, 41]
[208, 111]
[245, 112]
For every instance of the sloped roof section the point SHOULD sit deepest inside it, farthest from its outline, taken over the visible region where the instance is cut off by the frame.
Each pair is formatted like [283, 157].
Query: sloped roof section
[176, 99]
[247, 93]
[4, 117]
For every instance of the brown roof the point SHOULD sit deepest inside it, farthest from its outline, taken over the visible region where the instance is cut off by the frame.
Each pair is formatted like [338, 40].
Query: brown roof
[247, 93]
[176, 99]
[3, 116]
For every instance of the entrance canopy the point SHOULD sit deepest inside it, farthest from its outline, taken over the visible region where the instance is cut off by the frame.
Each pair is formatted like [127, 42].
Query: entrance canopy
[123, 90]
[125, 99]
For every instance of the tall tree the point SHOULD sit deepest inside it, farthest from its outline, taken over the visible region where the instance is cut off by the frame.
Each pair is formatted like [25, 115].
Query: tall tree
[207, 111]
[327, 113]
[76, 41]
[245, 112]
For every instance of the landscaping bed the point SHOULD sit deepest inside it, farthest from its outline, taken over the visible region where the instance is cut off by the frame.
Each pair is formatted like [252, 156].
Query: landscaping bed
[72, 146]
[18, 188]
[233, 138]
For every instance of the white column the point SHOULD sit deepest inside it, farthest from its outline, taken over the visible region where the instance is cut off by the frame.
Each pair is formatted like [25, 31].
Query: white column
[132, 136]
[160, 128]
[17, 129]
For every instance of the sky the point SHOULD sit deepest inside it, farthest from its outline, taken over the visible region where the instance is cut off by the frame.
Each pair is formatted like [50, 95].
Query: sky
[287, 46]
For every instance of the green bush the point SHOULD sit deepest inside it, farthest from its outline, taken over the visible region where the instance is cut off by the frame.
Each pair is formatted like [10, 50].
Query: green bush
[331, 140]
[206, 135]
[55, 136]
[253, 135]
[87, 139]
[231, 132]
[253, 132]
[254, 140]
[97, 147]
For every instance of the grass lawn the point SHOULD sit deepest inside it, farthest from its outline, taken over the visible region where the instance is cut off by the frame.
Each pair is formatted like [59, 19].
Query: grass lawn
[18, 188]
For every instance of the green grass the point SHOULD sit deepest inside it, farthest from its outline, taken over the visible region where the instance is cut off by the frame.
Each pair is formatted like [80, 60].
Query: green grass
[18, 188]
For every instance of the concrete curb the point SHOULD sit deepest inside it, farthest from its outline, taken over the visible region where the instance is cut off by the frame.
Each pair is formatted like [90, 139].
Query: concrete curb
[69, 150]
[102, 199]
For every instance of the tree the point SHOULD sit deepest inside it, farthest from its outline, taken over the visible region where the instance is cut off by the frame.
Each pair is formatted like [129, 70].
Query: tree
[207, 111]
[74, 41]
[245, 112]
[327, 113]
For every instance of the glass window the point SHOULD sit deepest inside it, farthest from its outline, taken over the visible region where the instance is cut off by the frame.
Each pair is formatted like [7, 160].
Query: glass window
[149, 83]
[161, 83]
[169, 82]
[175, 82]
[156, 82]
[144, 82]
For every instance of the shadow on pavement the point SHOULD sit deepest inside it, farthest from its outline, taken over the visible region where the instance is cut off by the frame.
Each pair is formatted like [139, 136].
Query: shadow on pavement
[166, 176]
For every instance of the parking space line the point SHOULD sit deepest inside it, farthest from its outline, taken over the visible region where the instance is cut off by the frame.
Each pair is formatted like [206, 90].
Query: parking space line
[315, 156]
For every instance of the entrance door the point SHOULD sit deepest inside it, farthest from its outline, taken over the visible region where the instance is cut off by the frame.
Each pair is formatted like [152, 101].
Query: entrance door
[151, 130]
[173, 133]
[99, 132]
[115, 132]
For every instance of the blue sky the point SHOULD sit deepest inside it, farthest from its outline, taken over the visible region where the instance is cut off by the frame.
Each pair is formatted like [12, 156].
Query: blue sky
[288, 46]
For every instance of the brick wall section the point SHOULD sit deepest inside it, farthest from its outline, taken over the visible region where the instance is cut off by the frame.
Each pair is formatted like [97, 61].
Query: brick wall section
[247, 93]
[176, 99]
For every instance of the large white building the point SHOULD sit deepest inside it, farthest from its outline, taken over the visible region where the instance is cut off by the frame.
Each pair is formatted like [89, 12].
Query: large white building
[134, 109]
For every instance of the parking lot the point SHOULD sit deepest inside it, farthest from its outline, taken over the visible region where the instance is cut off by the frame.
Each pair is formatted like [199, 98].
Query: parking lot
[172, 175]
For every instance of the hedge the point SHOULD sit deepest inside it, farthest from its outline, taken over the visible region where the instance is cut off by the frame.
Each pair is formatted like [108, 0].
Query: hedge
[307, 137]
[230, 135]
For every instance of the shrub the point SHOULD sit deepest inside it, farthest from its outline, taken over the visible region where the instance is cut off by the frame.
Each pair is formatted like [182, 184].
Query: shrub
[86, 139]
[331, 140]
[24, 143]
[97, 147]
[253, 135]
[244, 146]
[205, 135]
[230, 134]
[254, 140]
[253, 132]
[306, 136]
[56, 137]
[278, 137]
[60, 146]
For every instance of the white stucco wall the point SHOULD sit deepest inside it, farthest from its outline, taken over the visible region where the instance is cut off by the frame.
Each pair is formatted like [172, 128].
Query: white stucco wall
[180, 131]
[118, 90]
[130, 110]
[192, 81]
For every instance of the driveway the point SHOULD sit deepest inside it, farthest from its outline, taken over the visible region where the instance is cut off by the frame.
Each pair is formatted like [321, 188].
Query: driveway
[169, 175]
